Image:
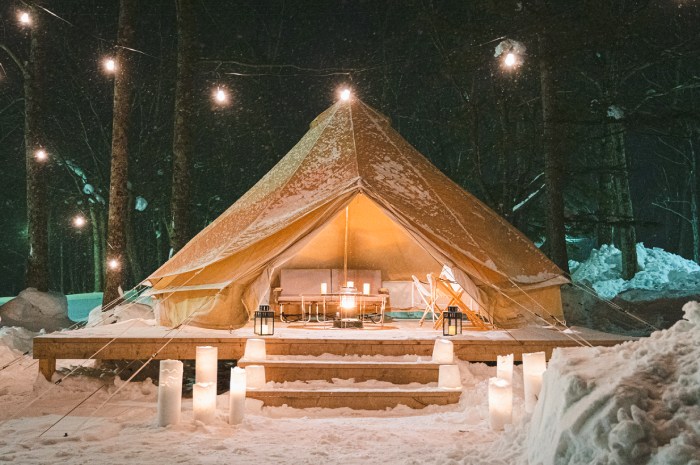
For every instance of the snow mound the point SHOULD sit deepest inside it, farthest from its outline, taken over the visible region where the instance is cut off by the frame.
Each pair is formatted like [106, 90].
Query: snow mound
[123, 312]
[16, 338]
[36, 310]
[631, 404]
[658, 270]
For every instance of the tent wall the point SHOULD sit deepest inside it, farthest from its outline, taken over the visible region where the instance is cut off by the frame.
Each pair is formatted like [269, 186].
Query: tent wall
[519, 307]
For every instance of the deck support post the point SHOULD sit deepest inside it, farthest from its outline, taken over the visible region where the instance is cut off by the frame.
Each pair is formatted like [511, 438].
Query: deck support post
[47, 367]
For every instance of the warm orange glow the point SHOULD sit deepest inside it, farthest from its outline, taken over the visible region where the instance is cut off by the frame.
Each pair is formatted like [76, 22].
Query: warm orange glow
[345, 95]
[41, 155]
[113, 264]
[79, 221]
[510, 60]
[220, 96]
[24, 18]
[110, 66]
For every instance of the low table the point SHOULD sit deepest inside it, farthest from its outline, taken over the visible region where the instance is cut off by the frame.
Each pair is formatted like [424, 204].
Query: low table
[323, 301]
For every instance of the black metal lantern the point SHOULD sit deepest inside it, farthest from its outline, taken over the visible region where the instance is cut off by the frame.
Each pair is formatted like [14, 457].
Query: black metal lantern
[264, 324]
[452, 321]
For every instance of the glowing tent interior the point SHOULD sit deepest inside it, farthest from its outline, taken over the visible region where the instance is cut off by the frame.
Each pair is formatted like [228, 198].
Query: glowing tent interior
[405, 218]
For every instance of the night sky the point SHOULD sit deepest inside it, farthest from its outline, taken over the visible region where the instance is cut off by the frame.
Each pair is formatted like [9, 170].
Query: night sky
[429, 66]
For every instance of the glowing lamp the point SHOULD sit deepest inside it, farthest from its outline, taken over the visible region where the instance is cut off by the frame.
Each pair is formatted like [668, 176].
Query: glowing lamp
[324, 288]
[204, 402]
[449, 378]
[255, 350]
[169, 392]
[41, 155]
[347, 297]
[113, 264]
[220, 96]
[443, 352]
[110, 66]
[79, 221]
[500, 403]
[534, 366]
[264, 321]
[504, 367]
[510, 60]
[24, 18]
[236, 400]
[345, 95]
[255, 376]
[206, 365]
[452, 322]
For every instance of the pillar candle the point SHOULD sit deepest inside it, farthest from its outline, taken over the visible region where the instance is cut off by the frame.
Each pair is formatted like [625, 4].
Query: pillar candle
[324, 288]
[504, 367]
[365, 288]
[255, 350]
[534, 366]
[236, 401]
[255, 376]
[169, 392]
[449, 377]
[204, 402]
[206, 364]
[351, 284]
[443, 351]
[500, 403]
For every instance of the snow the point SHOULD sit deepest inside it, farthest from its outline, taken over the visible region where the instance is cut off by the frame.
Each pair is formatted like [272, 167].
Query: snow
[659, 271]
[36, 310]
[125, 312]
[635, 403]
[141, 204]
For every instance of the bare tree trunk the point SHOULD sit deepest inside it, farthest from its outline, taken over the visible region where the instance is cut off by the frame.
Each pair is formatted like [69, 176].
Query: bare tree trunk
[118, 195]
[183, 138]
[34, 139]
[606, 194]
[97, 252]
[694, 193]
[553, 163]
[131, 248]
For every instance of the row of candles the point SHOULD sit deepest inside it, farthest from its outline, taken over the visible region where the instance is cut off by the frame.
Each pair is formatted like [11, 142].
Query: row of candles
[204, 389]
[500, 389]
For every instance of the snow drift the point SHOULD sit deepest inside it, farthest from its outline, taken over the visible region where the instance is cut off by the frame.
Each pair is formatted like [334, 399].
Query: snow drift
[123, 312]
[637, 403]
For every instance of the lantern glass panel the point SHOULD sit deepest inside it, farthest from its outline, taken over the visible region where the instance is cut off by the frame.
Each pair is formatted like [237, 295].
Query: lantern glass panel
[264, 324]
[452, 322]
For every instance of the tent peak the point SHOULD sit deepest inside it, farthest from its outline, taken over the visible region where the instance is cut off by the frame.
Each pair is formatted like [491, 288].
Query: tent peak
[354, 103]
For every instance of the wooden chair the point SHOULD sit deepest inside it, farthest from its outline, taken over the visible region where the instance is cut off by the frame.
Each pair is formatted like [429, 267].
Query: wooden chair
[454, 292]
[426, 297]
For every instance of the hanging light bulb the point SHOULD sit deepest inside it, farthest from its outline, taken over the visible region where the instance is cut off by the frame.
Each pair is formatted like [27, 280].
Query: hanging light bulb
[109, 65]
[345, 94]
[41, 155]
[24, 18]
[79, 221]
[113, 264]
[220, 95]
[510, 60]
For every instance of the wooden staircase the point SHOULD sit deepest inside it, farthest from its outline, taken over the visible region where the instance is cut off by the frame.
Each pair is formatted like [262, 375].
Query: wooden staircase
[346, 381]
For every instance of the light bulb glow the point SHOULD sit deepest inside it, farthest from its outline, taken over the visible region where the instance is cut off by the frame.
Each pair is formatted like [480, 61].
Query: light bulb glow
[41, 155]
[220, 96]
[510, 60]
[24, 18]
[109, 65]
[113, 264]
[79, 221]
[345, 95]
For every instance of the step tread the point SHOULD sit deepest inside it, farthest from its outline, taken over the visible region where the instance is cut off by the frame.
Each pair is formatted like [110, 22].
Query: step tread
[350, 392]
[342, 364]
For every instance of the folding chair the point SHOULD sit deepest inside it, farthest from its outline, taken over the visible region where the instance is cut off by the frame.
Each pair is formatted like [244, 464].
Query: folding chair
[427, 298]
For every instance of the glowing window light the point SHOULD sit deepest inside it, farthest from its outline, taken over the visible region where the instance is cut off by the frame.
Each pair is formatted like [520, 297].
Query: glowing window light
[345, 95]
[79, 221]
[41, 155]
[113, 264]
[110, 66]
[24, 18]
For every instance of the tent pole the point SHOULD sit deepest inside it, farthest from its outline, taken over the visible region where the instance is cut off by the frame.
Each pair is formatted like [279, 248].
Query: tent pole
[345, 253]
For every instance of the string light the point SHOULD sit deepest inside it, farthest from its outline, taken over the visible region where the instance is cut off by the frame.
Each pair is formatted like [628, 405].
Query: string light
[220, 96]
[345, 95]
[109, 65]
[41, 155]
[510, 60]
[113, 264]
[24, 18]
[79, 221]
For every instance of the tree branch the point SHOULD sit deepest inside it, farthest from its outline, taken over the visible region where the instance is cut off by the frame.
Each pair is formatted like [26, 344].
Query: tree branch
[14, 58]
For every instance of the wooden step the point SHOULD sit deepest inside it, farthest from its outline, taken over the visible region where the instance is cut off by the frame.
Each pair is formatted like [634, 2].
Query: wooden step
[355, 398]
[309, 370]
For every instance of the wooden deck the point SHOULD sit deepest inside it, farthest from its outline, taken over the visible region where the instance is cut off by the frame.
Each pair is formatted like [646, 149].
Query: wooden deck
[136, 340]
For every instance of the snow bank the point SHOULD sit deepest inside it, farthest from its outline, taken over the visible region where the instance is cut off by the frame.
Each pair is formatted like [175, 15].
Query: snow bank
[123, 312]
[659, 271]
[635, 403]
[36, 310]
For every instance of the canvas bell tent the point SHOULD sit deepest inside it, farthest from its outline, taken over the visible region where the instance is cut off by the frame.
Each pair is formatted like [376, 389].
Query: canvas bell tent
[353, 189]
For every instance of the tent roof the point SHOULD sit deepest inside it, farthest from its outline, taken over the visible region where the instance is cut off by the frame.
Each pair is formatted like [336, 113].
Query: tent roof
[351, 148]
